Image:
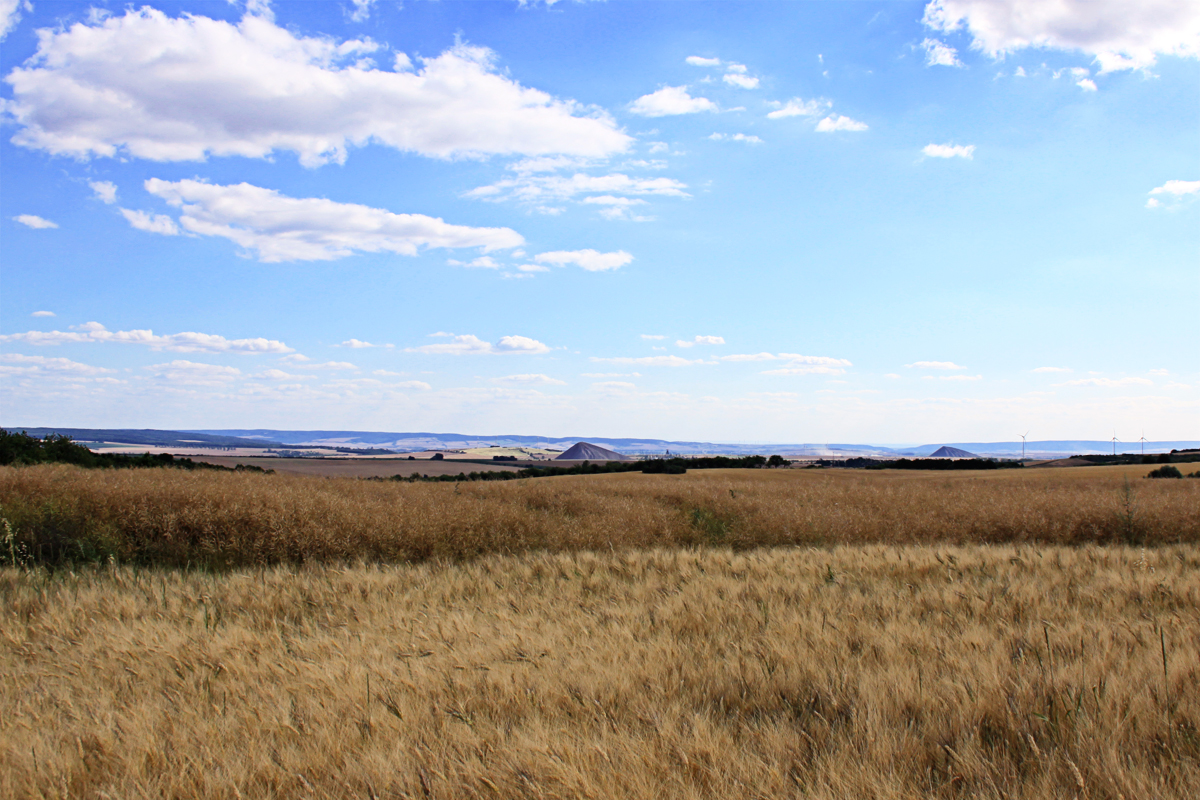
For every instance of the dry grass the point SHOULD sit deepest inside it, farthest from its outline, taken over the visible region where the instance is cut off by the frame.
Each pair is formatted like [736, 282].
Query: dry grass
[882, 672]
[173, 517]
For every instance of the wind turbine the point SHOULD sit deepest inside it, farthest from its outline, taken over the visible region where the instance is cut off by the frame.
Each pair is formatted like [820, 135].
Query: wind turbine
[1143, 441]
[1023, 435]
[1114, 441]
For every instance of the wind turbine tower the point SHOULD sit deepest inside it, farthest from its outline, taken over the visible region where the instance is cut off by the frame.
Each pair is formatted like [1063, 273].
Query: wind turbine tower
[1114, 441]
[1143, 441]
[1023, 435]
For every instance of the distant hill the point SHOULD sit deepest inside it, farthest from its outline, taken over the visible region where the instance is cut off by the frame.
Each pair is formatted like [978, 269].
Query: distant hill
[148, 437]
[585, 451]
[946, 451]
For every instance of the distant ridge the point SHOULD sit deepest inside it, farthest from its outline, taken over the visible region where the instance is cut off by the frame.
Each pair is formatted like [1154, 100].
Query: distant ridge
[584, 451]
[946, 451]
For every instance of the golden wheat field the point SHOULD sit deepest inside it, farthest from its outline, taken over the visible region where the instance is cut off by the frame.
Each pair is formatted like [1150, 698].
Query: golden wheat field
[718, 634]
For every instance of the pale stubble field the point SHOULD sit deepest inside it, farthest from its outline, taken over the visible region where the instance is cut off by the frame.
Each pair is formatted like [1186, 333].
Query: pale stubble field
[715, 666]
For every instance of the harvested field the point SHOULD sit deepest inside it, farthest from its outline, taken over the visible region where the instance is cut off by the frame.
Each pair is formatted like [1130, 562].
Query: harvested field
[370, 467]
[168, 517]
[874, 671]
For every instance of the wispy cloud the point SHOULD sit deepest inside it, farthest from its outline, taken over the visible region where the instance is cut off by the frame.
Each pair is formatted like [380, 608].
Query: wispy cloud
[466, 344]
[188, 342]
[34, 221]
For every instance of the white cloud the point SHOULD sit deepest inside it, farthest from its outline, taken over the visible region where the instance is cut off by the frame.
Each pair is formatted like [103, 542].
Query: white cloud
[671, 101]
[10, 15]
[43, 314]
[799, 107]
[940, 54]
[701, 340]
[26, 364]
[165, 89]
[1176, 190]
[933, 365]
[1053, 369]
[701, 61]
[735, 137]
[609, 200]
[336, 366]
[472, 345]
[1109, 382]
[362, 10]
[151, 223]
[528, 188]
[795, 359]
[614, 387]
[740, 80]
[189, 342]
[1119, 34]
[954, 377]
[532, 268]
[949, 150]
[483, 262]
[591, 260]
[358, 344]
[418, 385]
[1159, 372]
[1087, 84]
[279, 375]
[837, 122]
[610, 374]
[806, 370]
[651, 361]
[106, 191]
[34, 221]
[530, 380]
[282, 228]
[193, 373]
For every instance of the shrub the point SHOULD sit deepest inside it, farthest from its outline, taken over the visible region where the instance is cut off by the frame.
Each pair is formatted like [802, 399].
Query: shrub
[1165, 472]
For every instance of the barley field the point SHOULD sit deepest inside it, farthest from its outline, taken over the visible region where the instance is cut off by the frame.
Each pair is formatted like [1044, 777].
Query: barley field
[745, 633]
[168, 517]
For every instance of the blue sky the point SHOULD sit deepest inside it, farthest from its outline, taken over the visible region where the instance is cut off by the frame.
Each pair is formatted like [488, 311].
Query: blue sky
[803, 222]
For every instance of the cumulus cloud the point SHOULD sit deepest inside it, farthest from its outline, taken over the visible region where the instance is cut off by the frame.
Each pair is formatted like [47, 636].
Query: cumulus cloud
[483, 262]
[188, 342]
[701, 61]
[1087, 84]
[151, 223]
[735, 137]
[1117, 33]
[651, 361]
[933, 365]
[63, 366]
[954, 377]
[10, 15]
[358, 344]
[591, 260]
[279, 375]
[281, 228]
[1175, 191]
[533, 379]
[1053, 369]
[701, 340]
[34, 221]
[966, 151]
[799, 107]
[106, 191]
[796, 359]
[172, 89]
[466, 344]
[1109, 382]
[671, 101]
[337, 366]
[740, 80]
[43, 314]
[362, 10]
[940, 54]
[611, 374]
[837, 122]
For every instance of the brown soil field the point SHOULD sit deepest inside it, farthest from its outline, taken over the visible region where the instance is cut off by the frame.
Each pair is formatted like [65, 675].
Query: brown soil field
[869, 671]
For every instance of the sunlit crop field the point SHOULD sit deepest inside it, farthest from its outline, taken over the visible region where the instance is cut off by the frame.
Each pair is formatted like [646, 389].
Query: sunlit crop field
[219, 519]
[744, 633]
